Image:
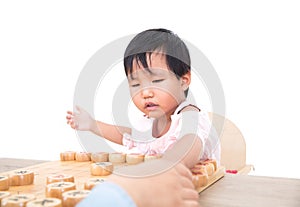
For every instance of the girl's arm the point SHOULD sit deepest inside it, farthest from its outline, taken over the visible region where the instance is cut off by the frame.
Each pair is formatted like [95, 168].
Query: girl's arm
[187, 150]
[81, 120]
[189, 147]
[110, 132]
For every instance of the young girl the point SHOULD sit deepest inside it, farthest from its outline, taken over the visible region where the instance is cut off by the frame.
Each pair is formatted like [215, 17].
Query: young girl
[157, 66]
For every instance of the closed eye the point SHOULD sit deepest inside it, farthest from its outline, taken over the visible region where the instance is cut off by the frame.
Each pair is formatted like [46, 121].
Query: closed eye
[158, 80]
[135, 85]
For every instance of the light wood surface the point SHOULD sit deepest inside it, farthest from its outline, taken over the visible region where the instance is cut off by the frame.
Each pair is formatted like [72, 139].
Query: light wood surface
[213, 178]
[7, 164]
[80, 171]
[227, 191]
[252, 191]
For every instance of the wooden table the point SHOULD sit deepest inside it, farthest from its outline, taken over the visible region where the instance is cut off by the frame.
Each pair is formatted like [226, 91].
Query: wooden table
[229, 191]
[7, 164]
[254, 191]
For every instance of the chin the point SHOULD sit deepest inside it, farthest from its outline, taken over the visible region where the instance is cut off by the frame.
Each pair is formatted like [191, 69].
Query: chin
[156, 115]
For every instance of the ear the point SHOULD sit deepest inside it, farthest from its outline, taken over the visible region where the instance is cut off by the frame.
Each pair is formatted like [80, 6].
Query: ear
[185, 80]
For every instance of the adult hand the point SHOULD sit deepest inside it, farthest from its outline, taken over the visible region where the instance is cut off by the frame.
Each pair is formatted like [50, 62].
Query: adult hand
[173, 187]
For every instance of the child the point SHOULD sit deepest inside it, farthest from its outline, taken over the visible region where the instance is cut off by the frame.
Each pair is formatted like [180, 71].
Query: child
[157, 66]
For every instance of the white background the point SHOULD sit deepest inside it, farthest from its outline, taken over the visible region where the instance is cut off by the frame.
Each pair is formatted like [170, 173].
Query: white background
[253, 45]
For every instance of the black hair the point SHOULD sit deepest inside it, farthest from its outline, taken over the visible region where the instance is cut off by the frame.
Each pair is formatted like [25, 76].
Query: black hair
[158, 40]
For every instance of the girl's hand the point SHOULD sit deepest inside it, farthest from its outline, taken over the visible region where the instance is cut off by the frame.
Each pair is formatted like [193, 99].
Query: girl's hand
[80, 119]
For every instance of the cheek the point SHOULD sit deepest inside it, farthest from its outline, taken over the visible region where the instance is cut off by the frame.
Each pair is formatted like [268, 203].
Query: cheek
[166, 98]
[137, 101]
[135, 93]
[172, 86]
[171, 92]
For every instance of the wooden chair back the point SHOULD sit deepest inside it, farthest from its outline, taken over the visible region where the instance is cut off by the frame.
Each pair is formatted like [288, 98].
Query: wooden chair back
[233, 145]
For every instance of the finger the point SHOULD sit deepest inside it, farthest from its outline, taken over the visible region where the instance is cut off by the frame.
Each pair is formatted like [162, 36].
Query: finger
[70, 112]
[191, 203]
[184, 171]
[72, 124]
[189, 194]
[186, 183]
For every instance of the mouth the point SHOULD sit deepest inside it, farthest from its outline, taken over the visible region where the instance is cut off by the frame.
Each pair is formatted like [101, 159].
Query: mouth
[150, 106]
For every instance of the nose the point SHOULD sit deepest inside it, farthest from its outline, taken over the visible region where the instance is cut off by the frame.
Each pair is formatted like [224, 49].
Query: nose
[147, 92]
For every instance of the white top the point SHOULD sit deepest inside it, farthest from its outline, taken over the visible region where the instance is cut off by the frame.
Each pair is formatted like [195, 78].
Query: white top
[141, 140]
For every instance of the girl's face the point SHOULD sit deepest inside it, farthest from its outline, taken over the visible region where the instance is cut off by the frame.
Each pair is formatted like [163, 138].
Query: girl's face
[157, 92]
